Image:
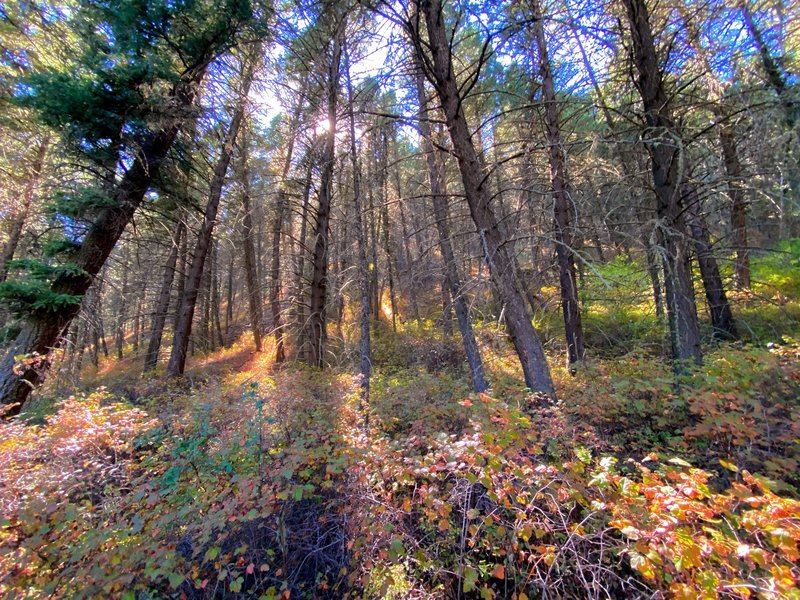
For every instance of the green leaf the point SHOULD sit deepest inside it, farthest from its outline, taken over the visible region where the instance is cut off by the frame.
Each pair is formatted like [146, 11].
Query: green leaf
[470, 579]
[175, 579]
[396, 549]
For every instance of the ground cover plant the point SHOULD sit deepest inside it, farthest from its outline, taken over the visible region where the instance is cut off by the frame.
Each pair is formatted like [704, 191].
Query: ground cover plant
[250, 481]
[433, 299]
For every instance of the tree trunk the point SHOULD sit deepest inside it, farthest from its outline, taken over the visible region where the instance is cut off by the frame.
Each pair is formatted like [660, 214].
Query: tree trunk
[159, 317]
[576, 350]
[664, 147]
[452, 276]
[250, 273]
[229, 293]
[299, 301]
[440, 70]
[722, 320]
[119, 335]
[412, 294]
[730, 159]
[215, 321]
[319, 262]
[188, 302]
[40, 335]
[391, 263]
[364, 346]
[736, 193]
[20, 219]
[647, 238]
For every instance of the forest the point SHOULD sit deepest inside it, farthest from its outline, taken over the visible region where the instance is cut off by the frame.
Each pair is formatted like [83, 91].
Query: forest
[400, 299]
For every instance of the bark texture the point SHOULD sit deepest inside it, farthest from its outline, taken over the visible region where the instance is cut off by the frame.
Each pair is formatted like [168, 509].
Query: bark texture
[452, 276]
[188, 302]
[440, 71]
[317, 320]
[159, 317]
[665, 147]
[563, 206]
[41, 333]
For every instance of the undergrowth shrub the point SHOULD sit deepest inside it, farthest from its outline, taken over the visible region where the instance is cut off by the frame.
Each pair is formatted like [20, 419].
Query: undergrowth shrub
[694, 543]
[60, 481]
[412, 400]
[746, 409]
[413, 347]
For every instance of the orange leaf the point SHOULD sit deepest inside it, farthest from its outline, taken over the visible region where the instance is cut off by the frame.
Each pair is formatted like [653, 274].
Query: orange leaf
[499, 572]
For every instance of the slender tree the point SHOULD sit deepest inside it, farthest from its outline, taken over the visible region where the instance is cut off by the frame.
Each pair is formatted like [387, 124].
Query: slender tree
[434, 47]
[188, 302]
[159, 316]
[563, 205]
[317, 320]
[452, 276]
[665, 148]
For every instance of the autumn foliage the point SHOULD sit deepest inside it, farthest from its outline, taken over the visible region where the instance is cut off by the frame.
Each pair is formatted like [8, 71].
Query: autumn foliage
[269, 486]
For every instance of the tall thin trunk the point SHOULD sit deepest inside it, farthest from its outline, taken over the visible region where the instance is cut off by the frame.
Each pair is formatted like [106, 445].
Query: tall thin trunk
[20, 219]
[733, 166]
[229, 294]
[215, 321]
[664, 146]
[250, 273]
[452, 276]
[374, 271]
[439, 67]
[138, 315]
[281, 210]
[412, 294]
[576, 349]
[648, 239]
[722, 321]
[319, 278]
[364, 350]
[387, 237]
[183, 327]
[737, 195]
[159, 317]
[299, 300]
[121, 308]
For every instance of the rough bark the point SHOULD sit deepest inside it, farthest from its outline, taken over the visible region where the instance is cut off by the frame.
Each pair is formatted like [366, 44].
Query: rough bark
[317, 320]
[364, 346]
[281, 209]
[452, 276]
[737, 195]
[298, 301]
[20, 219]
[440, 71]
[722, 321]
[159, 317]
[121, 308]
[188, 302]
[730, 158]
[576, 350]
[41, 333]
[215, 322]
[664, 146]
[250, 274]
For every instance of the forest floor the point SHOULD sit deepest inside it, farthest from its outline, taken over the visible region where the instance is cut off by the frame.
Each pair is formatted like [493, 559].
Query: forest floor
[248, 480]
